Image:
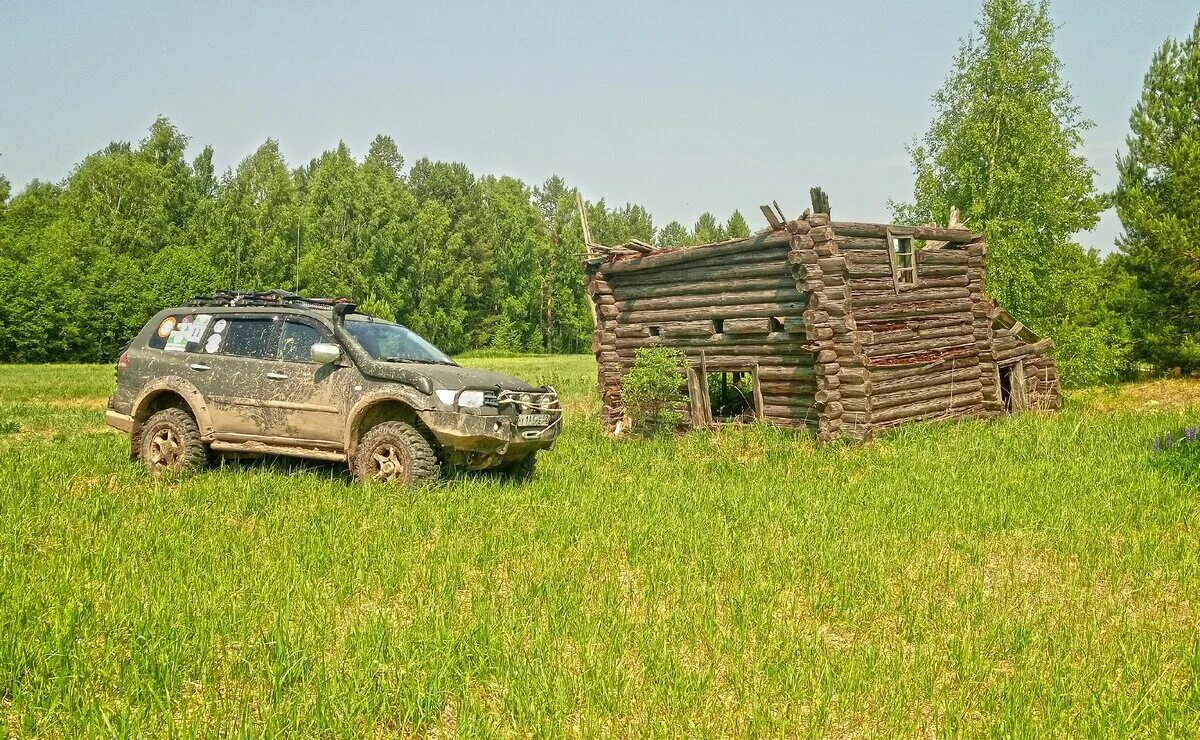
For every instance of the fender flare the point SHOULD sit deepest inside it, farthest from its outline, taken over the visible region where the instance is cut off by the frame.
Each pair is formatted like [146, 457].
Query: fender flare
[409, 397]
[185, 390]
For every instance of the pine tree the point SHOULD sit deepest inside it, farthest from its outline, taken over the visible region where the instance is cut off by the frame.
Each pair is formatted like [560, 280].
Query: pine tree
[707, 230]
[737, 226]
[1158, 200]
[674, 234]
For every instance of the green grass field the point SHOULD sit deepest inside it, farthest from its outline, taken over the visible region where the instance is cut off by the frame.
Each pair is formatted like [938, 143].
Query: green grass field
[1032, 576]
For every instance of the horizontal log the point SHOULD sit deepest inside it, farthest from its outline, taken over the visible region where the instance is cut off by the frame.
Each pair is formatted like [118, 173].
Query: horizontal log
[1037, 348]
[921, 358]
[925, 409]
[783, 295]
[781, 372]
[746, 311]
[907, 309]
[888, 373]
[865, 286]
[801, 417]
[745, 356]
[794, 401]
[928, 233]
[912, 396]
[787, 387]
[936, 376]
[892, 349]
[596, 286]
[851, 242]
[910, 296]
[941, 257]
[705, 287]
[692, 274]
[772, 255]
[786, 342]
[919, 325]
[686, 254]
[747, 326]
[867, 258]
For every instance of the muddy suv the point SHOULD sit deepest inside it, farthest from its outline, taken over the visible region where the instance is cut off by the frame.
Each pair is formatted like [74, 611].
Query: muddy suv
[275, 373]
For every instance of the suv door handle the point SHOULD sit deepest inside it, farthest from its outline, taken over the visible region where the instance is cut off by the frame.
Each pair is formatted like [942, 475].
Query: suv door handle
[276, 376]
[199, 366]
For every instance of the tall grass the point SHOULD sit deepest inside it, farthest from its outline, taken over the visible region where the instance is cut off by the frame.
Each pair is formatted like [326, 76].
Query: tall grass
[1036, 575]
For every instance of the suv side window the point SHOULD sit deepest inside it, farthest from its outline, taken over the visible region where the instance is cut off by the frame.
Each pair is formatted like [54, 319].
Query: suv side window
[180, 332]
[298, 339]
[246, 337]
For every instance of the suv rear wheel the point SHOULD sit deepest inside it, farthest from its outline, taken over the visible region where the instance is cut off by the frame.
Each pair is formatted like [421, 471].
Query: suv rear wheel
[395, 452]
[171, 443]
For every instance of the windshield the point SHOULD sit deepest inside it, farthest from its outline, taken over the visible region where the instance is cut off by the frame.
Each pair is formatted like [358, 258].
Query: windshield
[390, 342]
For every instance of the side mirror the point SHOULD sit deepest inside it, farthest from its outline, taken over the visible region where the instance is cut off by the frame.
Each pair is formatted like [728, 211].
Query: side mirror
[325, 353]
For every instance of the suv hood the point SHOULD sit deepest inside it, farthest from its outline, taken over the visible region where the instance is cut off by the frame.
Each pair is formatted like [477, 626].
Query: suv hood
[426, 377]
[445, 376]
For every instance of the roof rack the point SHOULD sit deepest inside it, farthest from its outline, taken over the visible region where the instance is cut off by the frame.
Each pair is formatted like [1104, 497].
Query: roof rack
[273, 298]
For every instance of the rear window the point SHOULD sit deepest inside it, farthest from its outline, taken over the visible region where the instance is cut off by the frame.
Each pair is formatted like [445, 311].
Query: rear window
[250, 338]
[180, 332]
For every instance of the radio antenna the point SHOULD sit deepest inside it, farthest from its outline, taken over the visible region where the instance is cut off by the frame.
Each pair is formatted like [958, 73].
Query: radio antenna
[296, 274]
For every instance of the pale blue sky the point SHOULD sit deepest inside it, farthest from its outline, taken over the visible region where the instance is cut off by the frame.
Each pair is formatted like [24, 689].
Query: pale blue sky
[682, 107]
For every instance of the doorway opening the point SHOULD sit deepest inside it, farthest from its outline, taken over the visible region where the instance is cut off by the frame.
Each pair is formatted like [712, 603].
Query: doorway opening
[731, 396]
[1012, 386]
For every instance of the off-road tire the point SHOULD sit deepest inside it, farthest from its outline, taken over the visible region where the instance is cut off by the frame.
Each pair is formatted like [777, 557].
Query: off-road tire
[171, 444]
[395, 452]
[521, 470]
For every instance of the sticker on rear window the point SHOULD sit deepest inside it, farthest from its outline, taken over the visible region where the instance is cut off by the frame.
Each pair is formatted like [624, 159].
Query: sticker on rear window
[166, 327]
[197, 327]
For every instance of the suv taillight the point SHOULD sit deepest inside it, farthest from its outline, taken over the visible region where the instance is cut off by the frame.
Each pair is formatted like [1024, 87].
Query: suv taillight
[123, 361]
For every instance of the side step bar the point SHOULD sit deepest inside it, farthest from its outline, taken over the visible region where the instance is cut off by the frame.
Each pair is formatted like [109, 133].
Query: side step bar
[265, 449]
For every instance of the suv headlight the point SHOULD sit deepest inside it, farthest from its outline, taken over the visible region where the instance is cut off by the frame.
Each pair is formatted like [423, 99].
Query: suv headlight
[470, 399]
[466, 399]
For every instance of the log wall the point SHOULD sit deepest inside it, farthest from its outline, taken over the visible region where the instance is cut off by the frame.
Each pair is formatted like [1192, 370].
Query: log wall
[732, 306]
[839, 347]
[921, 345]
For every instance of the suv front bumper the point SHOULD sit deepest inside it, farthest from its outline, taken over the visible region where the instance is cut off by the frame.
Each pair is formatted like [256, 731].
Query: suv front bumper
[490, 440]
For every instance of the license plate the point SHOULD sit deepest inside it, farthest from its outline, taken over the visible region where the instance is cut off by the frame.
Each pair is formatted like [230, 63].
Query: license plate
[533, 420]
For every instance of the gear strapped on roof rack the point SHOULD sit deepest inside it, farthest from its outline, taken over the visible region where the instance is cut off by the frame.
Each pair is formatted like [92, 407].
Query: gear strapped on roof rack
[265, 298]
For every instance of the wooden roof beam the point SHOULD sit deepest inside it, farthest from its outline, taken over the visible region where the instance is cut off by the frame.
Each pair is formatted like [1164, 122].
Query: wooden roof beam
[880, 231]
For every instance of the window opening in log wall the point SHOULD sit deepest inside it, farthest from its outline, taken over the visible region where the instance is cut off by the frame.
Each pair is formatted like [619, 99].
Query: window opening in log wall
[776, 324]
[902, 254]
[656, 331]
[731, 396]
[718, 326]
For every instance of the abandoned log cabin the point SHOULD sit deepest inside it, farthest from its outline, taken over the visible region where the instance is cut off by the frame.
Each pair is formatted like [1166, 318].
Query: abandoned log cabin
[845, 328]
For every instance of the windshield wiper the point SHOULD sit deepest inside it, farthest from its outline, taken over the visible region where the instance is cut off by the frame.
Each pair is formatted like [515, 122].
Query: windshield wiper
[415, 361]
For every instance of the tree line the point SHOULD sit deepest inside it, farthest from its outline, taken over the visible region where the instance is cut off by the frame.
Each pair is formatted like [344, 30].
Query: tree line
[491, 262]
[467, 261]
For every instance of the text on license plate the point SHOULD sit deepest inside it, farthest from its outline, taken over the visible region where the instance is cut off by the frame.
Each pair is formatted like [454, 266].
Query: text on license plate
[533, 420]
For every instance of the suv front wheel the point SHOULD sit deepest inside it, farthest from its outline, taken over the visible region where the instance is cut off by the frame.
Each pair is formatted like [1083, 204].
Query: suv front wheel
[395, 452]
[171, 443]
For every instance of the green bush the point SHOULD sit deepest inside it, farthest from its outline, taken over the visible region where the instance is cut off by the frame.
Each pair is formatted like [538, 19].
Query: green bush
[652, 389]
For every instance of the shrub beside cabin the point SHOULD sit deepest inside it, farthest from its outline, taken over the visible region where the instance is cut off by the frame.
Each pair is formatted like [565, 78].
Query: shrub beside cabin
[845, 328]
